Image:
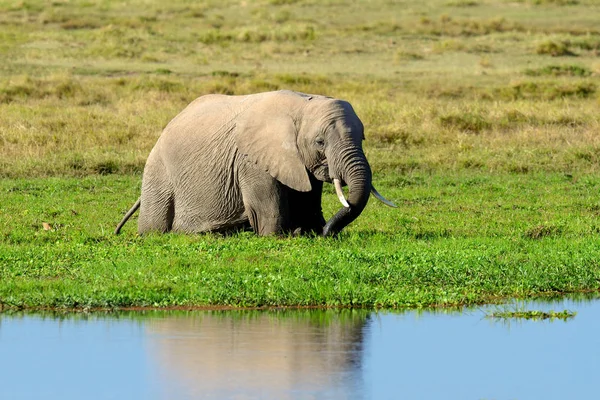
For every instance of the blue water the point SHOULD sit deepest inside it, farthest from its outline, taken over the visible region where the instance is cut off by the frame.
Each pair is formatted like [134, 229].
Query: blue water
[301, 355]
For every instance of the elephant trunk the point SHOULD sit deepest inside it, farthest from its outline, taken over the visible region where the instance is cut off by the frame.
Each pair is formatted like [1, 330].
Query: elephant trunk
[356, 172]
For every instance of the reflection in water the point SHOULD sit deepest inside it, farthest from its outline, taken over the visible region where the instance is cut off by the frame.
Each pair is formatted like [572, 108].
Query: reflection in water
[276, 354]
[301, 355]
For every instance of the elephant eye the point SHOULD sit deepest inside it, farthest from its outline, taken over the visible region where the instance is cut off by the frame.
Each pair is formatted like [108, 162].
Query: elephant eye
[320, 142]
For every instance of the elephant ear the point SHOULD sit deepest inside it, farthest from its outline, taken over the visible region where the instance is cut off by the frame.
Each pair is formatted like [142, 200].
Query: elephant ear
[270, 142]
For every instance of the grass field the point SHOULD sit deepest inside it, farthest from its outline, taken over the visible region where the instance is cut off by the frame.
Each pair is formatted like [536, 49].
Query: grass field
[481, 120]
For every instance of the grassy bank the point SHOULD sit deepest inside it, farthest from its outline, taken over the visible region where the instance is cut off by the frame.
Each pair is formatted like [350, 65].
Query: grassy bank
[455, 239]
[481, 120]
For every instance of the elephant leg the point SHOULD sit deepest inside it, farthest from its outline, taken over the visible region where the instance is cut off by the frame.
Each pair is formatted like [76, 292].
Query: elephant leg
[265, 203]
[305, 209]
[157, 208]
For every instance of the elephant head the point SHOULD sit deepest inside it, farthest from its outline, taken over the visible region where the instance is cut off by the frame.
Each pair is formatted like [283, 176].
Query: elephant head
[310, 135]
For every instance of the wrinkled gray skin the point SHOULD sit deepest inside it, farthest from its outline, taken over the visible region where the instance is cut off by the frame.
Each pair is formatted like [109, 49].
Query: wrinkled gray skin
[226, 162]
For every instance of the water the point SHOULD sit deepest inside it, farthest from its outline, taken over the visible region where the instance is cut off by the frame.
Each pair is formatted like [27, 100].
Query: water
[301, 355]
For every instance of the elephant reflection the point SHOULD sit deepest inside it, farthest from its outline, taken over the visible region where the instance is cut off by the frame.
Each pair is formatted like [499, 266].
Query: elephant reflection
[261, 354]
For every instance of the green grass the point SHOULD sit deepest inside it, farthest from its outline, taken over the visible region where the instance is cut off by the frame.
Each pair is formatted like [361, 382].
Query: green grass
[454, 240]
[535, 315]
[481, 123]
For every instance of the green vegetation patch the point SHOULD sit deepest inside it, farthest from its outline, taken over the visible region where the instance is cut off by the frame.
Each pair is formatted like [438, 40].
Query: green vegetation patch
[255, 35]
[555, 2]
[466, 122]
[559, 70]
[534, 315]
[545, 90]
[554, 48]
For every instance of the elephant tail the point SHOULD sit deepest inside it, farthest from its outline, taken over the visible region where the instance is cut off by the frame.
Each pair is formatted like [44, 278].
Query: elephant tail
[128, 215]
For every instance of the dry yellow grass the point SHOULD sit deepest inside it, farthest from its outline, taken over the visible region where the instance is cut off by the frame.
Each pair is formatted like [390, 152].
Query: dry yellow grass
[88, 86]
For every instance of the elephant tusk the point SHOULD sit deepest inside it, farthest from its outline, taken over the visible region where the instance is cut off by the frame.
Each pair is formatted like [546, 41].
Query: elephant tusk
[340, 193]
[381, 198]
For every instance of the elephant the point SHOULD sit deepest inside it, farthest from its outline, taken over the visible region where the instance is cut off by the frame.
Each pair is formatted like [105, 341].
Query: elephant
[258, 161]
